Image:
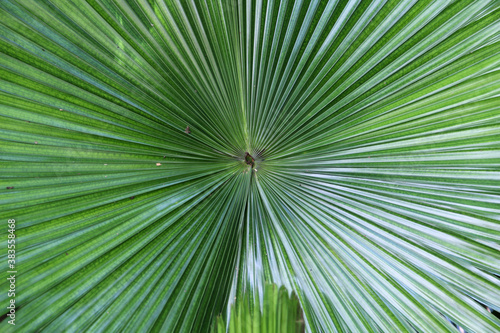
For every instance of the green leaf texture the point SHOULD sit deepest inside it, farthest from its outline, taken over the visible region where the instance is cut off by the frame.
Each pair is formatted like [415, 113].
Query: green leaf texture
[375, 129]
[280, 313]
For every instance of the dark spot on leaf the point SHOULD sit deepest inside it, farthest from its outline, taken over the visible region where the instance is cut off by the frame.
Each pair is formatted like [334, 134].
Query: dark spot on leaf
[187, 130]
[10, 187]
[66, 253]
[249, 159]
[132, 197]
[43, 50]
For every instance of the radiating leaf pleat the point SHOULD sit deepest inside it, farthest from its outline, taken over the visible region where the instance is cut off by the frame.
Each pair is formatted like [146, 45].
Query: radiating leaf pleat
[371, 190]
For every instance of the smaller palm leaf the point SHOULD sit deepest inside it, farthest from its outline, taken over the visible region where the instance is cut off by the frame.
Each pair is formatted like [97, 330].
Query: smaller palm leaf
[280, 312]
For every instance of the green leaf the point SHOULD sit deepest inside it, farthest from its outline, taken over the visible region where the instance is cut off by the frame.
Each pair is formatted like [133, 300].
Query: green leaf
[277, 312]
[162, 158]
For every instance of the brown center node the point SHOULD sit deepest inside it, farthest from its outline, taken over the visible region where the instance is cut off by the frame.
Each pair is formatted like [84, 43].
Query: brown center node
[249, 159]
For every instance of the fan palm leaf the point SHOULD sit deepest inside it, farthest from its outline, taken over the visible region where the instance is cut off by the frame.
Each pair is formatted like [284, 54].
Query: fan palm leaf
[164, 158]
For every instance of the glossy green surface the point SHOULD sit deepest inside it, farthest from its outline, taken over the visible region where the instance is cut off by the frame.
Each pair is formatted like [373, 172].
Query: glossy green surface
[375, 197]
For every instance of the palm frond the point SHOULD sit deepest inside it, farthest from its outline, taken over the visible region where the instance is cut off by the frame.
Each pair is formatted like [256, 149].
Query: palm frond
[373, 128]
